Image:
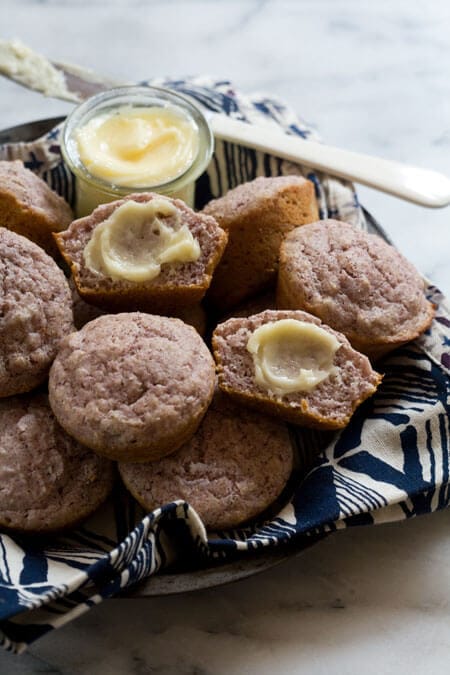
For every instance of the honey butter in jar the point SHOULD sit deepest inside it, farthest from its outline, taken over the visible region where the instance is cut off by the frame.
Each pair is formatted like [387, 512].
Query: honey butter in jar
[135, 139]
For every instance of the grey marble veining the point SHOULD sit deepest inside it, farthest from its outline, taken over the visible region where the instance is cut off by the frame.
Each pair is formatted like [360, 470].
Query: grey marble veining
[373, 77]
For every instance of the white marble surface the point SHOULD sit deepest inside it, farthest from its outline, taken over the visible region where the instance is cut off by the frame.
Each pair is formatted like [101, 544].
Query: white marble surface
[373, 77]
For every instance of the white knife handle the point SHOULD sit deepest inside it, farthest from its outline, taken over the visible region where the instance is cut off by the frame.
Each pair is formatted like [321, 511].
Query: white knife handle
[421, 186]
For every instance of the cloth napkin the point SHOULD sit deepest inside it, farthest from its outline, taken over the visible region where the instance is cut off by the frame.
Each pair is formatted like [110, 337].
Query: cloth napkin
[390, 463]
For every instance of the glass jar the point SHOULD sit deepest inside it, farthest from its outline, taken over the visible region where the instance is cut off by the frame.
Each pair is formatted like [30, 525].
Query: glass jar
[91, 189]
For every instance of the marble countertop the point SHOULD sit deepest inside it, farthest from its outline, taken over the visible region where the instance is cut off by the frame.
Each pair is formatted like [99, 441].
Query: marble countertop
[372, 77]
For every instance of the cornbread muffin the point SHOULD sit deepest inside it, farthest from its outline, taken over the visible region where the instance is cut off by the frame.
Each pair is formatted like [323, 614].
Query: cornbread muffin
[256, 215]
[354, 282]
[144, 252]
[48, 481]
[132, 387]
[289, 364]
[35, 313]
[232, 469]
[29, 207]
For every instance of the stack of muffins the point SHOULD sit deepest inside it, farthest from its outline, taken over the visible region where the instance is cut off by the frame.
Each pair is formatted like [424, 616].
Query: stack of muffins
[112, 365]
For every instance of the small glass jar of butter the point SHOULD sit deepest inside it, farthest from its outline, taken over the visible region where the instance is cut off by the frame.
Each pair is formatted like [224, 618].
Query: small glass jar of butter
[135, 139]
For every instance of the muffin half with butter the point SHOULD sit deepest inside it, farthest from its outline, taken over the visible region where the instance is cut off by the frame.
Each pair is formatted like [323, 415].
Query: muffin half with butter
[144, 252]
[289, 364]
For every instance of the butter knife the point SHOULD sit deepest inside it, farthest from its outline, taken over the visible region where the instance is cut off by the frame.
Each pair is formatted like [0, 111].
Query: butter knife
[72, 83]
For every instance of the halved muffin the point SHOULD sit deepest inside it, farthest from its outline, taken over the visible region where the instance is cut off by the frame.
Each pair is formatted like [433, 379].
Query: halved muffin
[289, 364]
[144, 252]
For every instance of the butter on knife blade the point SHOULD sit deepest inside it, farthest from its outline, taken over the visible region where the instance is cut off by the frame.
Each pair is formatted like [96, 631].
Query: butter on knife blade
[34, 71]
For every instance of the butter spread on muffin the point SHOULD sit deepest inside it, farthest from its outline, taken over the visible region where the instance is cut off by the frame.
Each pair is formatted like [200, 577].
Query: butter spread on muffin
[335, 377]
[144, 252]
[291, 355]
[137, 238]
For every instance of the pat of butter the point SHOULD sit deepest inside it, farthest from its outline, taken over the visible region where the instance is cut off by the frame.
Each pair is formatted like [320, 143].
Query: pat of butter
[292, 356]
[137, 146]
[137, 239]
[32, 70]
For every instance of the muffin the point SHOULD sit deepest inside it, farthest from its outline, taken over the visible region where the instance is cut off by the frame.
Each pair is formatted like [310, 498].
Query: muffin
[354, 282]
[29, 207]
[35, 312]
[289, 364]
[49, 481]
[132, 386]
[256, 216]
[232, 469]
[144, 252]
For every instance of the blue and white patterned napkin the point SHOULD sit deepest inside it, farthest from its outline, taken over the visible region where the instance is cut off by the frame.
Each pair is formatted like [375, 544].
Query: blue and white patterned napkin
[390, 463]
